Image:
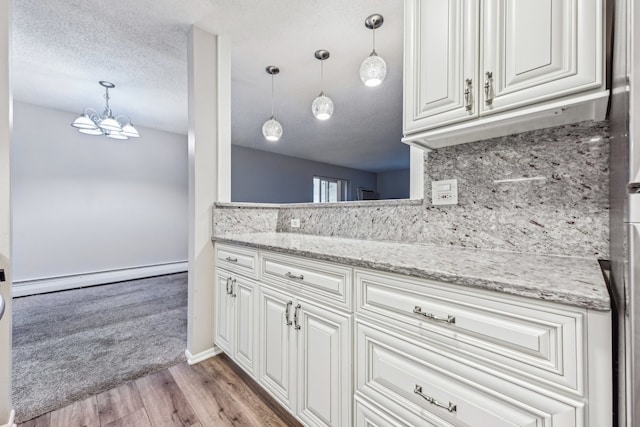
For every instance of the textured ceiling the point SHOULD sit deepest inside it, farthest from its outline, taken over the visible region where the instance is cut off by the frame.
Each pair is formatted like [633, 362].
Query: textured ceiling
[63, 47]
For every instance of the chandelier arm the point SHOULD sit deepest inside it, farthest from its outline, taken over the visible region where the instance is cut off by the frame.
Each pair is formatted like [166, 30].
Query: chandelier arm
[126, 117]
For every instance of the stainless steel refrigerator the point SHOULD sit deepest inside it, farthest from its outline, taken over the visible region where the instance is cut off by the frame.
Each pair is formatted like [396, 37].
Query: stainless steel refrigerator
[624, 184]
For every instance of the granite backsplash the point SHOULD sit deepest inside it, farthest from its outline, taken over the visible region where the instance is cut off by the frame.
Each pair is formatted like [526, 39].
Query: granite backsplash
[543, 191]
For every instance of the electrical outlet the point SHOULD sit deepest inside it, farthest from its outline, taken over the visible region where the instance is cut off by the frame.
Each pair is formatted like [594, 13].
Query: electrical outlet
[444, 192]
[295, 223]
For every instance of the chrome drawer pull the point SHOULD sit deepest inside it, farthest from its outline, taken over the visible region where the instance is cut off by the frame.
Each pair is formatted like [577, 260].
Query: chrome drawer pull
[233, 292]
[468, 105]
[451, 407]
[231, 259]
[228, 280]
[290, 275]
[488, 96]
[295, 317]
[449, 319]
[287, 313]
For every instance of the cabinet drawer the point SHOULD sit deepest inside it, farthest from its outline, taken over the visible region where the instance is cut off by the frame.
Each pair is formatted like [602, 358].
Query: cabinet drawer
[512, 334]
[368, 415]
[440, 389]
[323, 281]
[236, 259]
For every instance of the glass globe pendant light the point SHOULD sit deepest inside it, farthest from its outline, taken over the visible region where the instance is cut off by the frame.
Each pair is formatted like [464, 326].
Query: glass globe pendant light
[272, 129]
[322, 106]
[373, 69]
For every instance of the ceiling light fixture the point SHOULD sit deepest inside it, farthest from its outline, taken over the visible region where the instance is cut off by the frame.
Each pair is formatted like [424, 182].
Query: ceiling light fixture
[373, 69]
[91, 123]
[272, 129]
[322, 106]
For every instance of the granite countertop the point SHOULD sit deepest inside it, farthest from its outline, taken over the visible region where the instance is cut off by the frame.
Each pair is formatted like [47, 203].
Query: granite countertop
[566, 280]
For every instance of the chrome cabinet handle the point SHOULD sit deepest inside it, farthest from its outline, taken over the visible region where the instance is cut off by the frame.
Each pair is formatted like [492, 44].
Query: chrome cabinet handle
[488, 98]
[228, 280]
[287, 313]
[231, 259]
[290, 275]
[450, 407]
[467, 95]
[233, 284]
[449, 319]
[295, 317]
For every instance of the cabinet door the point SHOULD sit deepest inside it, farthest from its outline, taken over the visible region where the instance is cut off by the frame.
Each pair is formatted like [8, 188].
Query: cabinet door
[324, 366]
[245, 324]
[224, 326]
[536, 50]
[277, 346]
[441, 39]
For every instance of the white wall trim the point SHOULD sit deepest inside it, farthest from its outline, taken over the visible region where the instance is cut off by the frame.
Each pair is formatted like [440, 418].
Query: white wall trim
[12, 417]
[192, 359]
[39, 286]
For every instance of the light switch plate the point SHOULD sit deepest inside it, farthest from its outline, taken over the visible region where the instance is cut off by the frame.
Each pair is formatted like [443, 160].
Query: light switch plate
[444, 192]
[295, 223]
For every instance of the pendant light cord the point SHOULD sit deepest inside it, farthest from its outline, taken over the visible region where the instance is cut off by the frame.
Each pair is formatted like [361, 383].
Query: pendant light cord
[322, 76]
[272, 96]
[374, 41]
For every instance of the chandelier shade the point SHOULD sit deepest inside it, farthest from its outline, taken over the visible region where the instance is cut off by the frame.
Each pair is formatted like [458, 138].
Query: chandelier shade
[322, 107]
[92, 123]
[272, 129]
[95, 131]
[373, 69]
[84, 122]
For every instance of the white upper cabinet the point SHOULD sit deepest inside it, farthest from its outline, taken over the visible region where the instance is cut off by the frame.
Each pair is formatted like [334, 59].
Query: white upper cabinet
[443, 54]
[480, 69]
[534, 50]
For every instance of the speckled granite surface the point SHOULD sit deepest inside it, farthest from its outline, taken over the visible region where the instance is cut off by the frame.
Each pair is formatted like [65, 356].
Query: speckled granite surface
[565, 211]
[567, 280]
[244, 219]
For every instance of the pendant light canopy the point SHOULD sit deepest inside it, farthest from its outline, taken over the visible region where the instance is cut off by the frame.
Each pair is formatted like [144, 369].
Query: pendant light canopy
[91, 123]
[322, 106]
[373, 69]
[272, 129]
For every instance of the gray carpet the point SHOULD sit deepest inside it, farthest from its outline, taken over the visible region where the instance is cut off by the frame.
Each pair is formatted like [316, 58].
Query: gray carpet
[73, 344]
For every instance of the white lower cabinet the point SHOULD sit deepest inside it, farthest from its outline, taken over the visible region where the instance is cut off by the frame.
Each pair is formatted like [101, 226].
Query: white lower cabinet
[343, 346]
[305, 357]
[236, 319]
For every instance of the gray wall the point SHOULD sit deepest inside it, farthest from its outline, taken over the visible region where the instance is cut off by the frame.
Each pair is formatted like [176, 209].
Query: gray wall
[85, 204]
[394, 184]
[263, 177]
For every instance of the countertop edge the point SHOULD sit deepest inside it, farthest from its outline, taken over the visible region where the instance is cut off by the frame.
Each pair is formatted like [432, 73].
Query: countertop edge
[565, 298]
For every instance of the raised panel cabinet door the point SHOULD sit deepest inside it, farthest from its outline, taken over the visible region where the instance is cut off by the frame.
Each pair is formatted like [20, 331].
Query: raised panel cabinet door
[224, 326]
[441, 39]
[277, 345]
[537, 50]
[245, 324]
[324, 365]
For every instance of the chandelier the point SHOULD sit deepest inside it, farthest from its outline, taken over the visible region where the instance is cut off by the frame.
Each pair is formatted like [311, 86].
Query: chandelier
[92, 123]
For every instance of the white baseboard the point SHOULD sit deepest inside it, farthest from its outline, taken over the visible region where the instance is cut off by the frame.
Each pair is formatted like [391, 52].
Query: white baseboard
[39, 286]
[192, 359]
[10, 423]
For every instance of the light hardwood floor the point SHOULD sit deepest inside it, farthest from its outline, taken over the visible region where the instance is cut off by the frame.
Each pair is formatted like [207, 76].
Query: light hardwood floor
[212, 393]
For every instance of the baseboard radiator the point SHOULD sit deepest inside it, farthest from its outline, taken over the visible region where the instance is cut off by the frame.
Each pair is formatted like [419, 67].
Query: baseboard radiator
[53, 284]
